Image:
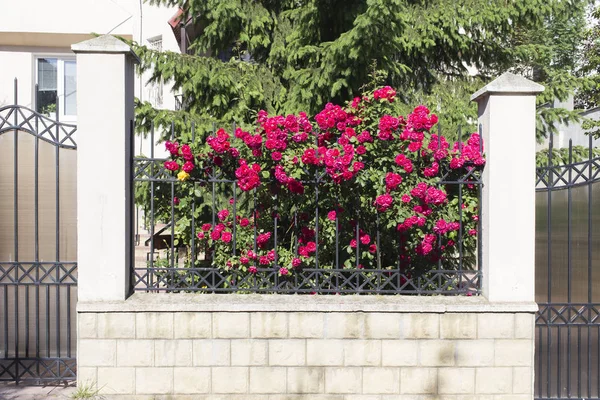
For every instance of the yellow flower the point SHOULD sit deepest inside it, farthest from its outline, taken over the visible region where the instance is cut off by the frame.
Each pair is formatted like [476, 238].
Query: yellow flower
[183, 176]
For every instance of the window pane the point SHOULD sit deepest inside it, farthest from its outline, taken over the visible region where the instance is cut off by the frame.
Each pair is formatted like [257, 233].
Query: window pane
[70, 88]
[47, 85]
[47, 74]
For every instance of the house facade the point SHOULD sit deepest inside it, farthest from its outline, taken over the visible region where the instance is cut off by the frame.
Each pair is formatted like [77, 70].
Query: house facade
[35, 48]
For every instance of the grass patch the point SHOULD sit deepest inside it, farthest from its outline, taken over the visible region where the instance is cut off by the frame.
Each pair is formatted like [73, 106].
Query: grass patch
[87, 391]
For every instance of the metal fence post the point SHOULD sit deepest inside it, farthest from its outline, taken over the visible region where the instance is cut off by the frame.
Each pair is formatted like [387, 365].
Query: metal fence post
[105, 90]
[507, 118]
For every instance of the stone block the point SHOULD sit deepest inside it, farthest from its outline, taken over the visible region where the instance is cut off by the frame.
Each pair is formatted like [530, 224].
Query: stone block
[116, 325]
[344, 325]
[382, 325]
[172, 353]
[418, 380]
[509, 397]
[420, 326]
[474, 353]
[381, 380]
[229, 380]
[303, 397]
[495, 326]
[135, 353]
[269, 325]
[289, 352]
[87, 376]
[97, 353]
[493, 380]
[456, 380]
[524, 326]
[191, 380]
[154, 380]
[306, 325]
[345, 380]
[361, 353]
[246, 352]
[458, 326]
[231, 325]
[211, 352]
[522, 380]
[305, 380]
[150, 325]
[87, 325]
[116, 380]
[514, 353]
[324, 352]
[436, 353]
[267, 380]
[193, 325]
[399, 353]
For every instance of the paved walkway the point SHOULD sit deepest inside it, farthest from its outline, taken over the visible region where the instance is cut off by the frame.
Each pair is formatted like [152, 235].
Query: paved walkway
[10, 391]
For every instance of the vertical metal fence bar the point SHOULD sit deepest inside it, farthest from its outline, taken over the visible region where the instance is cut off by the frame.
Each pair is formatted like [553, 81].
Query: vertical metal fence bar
[234, 218]
[152, 222]
[579, 361]
[172, 264]
[5, 287]
[558, 380]
[47, 320]
[549, 256]
[27, 330]
[439, 235]
[275, 220]
[460, 213]
[36, 233]
[589, 265]
[539, 364]
[569, 263]
[68, 320]
[16, 227]
[193, 244]
[479, 228]
[296, 231]
[255, 219]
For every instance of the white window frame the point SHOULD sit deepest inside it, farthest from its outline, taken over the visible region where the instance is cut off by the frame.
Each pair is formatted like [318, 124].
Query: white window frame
[60, 81]
[155, 91]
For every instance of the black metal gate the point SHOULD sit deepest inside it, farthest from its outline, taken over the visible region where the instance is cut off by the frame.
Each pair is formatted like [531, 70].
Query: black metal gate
[38, 246]
[567, 281]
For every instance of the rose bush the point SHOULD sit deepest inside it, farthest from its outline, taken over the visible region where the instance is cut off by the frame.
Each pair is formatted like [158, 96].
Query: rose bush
[355, 187]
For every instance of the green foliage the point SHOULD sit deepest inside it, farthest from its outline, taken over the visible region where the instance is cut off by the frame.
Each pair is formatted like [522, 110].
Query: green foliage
[87, 391]
[305, 53]
[561, 156]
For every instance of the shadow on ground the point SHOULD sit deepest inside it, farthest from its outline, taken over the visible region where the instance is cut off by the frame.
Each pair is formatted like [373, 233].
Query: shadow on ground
[10, 391]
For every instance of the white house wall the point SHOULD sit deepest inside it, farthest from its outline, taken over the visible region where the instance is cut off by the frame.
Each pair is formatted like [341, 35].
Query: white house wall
[41, 27]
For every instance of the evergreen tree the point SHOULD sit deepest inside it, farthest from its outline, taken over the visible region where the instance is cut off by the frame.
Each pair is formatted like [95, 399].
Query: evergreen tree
[304, 53]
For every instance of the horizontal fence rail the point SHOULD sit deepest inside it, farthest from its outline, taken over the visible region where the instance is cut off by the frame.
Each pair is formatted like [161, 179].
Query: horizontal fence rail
[177, 261]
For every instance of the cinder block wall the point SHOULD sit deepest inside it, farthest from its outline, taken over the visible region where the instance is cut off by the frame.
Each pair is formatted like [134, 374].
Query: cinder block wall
[183, 347]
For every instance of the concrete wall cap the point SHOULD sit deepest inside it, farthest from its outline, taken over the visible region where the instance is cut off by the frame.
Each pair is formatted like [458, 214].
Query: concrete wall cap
[105, 44]
[189, 302]
[508, 83]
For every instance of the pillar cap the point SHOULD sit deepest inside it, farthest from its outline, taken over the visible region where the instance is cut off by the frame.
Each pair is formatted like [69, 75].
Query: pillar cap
[508, 83]
[105, 44]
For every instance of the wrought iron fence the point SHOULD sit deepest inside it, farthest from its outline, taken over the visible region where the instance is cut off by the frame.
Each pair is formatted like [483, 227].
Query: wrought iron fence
[176, 262]
[38, 246]
[567, 277]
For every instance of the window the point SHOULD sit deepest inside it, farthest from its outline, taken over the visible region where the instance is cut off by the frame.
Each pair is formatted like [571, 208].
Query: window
[56, 85]
[155, 89]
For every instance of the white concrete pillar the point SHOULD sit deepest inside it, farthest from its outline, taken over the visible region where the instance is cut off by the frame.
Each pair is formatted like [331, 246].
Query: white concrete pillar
[105, 90]
[507, 114]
